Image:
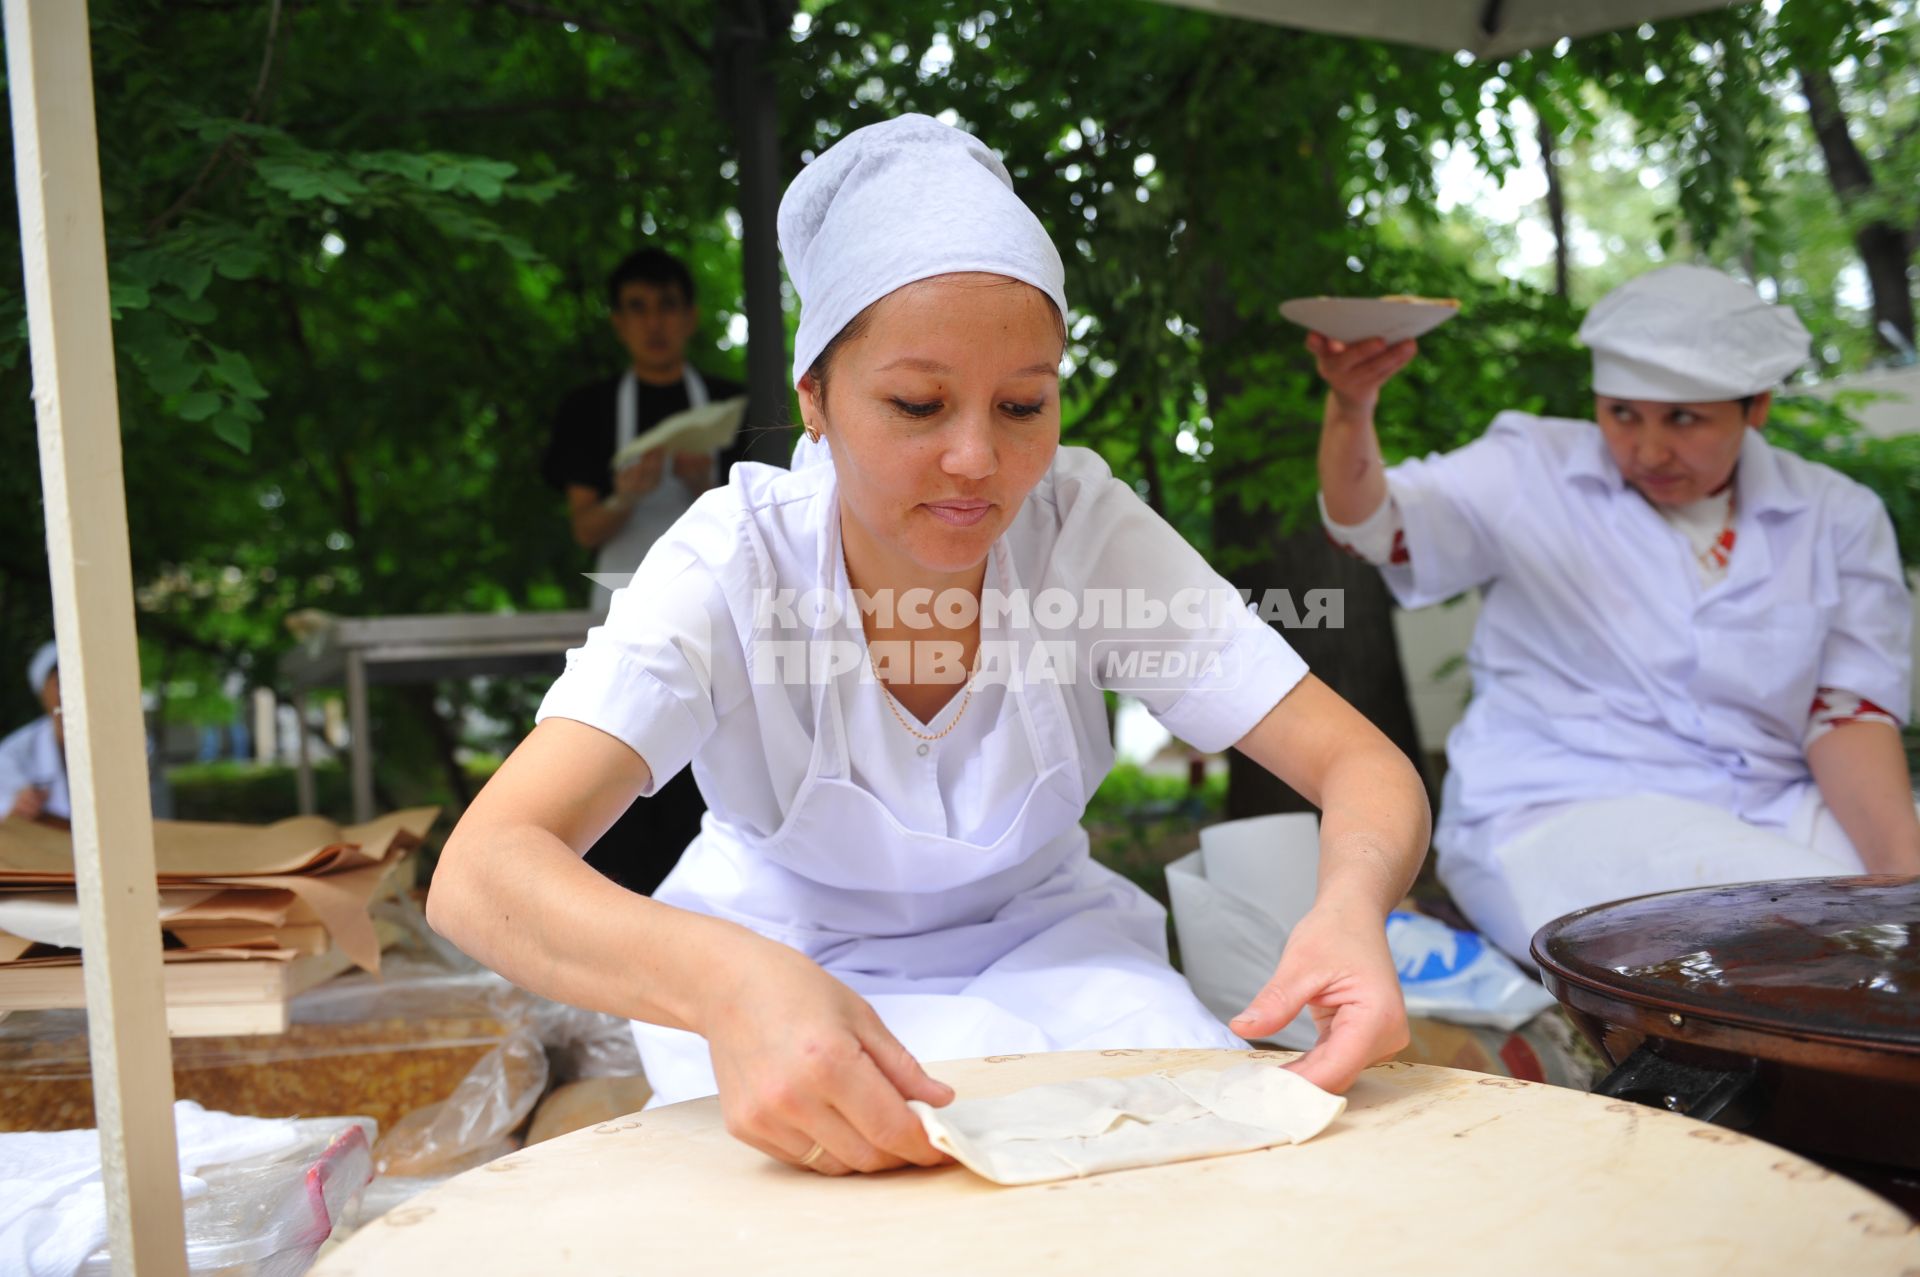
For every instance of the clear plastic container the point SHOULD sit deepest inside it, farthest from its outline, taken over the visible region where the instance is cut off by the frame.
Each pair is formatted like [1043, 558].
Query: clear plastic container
[268, 1216]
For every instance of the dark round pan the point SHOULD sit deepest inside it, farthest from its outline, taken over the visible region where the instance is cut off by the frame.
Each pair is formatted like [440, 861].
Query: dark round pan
[1789, 1009]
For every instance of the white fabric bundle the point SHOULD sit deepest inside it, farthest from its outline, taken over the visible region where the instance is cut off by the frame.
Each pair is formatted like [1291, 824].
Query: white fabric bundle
[53, 1207]
[1686, 334]
[1070, 1129]
[896, 202]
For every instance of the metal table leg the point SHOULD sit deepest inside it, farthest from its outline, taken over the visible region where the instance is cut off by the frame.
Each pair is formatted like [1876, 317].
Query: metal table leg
[303, 775]
[361, 747]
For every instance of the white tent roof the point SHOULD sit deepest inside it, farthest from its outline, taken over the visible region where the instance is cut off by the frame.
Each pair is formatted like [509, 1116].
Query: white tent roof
[1489, 28]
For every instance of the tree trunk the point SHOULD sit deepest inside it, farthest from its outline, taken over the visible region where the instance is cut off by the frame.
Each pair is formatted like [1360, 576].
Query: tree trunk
[1360, 659]
[1556, 206]
[1884, 248]
[743, 33]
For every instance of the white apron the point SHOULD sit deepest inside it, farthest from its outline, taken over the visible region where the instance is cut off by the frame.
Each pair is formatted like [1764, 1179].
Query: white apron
[653, 513]
[964, 948]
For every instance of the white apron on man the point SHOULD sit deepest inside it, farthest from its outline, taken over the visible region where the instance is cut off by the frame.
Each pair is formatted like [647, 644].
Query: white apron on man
[947, 881]
[652, 513]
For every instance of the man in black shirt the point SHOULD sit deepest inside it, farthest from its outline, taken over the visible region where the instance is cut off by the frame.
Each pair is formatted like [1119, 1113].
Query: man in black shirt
[619, 516]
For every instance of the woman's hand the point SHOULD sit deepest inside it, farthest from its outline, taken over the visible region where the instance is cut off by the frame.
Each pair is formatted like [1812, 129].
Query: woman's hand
[1336, 963]
[803, 1061]
[1354, 373]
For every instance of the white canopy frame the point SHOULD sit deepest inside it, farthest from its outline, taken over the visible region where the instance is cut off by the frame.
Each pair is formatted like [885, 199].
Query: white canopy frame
[56, 155]
[1484, 28]
[62, 231]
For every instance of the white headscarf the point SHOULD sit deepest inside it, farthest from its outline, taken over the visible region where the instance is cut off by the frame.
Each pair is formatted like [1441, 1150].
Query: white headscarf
[43, 663]
[1686, 334]
[896, 202]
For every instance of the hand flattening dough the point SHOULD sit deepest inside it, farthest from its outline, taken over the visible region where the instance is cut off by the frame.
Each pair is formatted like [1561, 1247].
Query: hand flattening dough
[1070, 1129]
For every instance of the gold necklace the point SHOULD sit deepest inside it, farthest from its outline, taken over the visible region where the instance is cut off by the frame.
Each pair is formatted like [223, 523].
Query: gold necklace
[893, 702]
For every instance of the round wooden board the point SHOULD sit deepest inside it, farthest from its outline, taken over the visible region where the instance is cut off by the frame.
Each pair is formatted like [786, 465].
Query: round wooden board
[1429, 1171]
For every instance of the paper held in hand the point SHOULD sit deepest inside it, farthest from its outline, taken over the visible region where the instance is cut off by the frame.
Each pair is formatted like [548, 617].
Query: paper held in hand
[1353, 319]
[707, 429]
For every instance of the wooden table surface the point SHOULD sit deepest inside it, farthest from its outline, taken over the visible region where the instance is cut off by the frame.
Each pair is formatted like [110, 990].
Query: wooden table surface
[1430, 1171]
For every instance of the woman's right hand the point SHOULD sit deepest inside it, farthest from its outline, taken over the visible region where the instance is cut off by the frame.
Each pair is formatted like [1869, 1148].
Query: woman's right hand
[802, 1060]
[1354, 372]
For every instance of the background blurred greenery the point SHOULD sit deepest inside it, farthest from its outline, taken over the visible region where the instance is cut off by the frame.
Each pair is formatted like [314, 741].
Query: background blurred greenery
[358, 247]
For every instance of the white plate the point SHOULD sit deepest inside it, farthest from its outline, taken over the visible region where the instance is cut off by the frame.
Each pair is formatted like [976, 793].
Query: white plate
[1359, 318]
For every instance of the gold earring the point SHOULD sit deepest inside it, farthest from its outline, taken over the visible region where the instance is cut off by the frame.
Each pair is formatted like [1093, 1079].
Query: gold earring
[813, 434]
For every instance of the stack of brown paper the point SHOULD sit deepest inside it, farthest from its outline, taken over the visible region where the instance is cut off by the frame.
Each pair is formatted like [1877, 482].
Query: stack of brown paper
[276, 892]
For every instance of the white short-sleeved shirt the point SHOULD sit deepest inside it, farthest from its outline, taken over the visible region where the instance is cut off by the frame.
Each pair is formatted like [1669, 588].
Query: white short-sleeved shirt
[1602, 664]
[684, 669]
[32, 758]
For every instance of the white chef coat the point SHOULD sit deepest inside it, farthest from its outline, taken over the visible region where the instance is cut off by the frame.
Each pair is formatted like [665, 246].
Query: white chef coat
[31, 758]
[947, 881]
[1603, 666]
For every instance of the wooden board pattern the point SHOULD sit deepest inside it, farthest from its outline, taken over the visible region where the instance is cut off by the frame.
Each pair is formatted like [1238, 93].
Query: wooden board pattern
[1429, 1171]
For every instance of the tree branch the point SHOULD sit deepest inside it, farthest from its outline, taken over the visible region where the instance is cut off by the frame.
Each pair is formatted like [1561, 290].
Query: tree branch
[227, 145]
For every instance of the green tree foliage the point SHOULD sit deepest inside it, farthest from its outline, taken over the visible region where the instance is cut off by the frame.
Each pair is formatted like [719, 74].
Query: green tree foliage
[357, 254]
[357, 250]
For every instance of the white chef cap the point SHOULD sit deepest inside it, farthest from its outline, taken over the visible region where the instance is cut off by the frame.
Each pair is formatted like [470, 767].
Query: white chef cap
[41, 665]
[1686, 334]
[896, 202]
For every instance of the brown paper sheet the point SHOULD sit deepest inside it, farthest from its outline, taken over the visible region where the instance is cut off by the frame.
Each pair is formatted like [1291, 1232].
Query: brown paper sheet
[244, 935]
[12, 946]
[270, 906]
[339, 901]
[71, 957]
[33, 854]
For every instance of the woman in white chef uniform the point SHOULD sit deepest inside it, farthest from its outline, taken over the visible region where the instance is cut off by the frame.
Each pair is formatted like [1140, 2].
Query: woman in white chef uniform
[892, 868]
[1692, 656]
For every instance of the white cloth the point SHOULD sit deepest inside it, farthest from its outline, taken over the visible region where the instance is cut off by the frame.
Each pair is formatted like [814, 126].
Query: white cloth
[46, 658]
[1601, 665]
[947, 881]
[652, 513]
[31, 758]
[1687, 334]
[896, 202]
[1066, 1130]
[53, 1209]
[1575, 855]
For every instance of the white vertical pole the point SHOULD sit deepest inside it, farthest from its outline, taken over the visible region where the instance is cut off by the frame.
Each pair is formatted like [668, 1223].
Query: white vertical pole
[57, 168]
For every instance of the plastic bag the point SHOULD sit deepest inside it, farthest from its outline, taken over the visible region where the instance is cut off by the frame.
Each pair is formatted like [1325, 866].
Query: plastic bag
[1234, 902]
[1237, 898]
[584, 1044]
[1456, 975]
[491, 1102]
[268, 1216]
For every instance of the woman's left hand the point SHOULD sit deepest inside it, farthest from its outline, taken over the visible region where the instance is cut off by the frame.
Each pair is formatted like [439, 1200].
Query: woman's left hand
[1337, 964]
